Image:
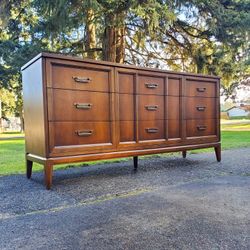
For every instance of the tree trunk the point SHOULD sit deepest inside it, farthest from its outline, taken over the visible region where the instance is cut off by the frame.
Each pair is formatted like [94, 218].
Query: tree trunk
[114, 38]
[120, 45]
[22, 123]
[109, 39]
[90, 35]
[120, 38]
[20, 114]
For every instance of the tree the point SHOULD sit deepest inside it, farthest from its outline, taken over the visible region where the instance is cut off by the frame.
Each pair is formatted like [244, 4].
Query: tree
[201, 36]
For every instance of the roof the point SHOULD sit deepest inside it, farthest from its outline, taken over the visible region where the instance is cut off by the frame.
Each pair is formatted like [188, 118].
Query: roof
[246, 107]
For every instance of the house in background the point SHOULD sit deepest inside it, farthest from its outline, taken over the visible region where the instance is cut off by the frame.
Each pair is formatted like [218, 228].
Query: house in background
[242, 111]
[10, 124]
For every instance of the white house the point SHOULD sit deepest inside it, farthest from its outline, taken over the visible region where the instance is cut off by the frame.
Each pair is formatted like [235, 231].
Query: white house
[240, 111]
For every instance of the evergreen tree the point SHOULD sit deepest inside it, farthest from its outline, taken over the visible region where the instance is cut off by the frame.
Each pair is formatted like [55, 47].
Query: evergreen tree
[201, 36]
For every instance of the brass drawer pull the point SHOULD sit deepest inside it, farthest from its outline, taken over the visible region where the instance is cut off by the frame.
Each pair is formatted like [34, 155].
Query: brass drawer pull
[81, 79]
[201, 108]
[152, 130]
[151, 107]
[201, 127]
[84, 132]
[201, 89]
[151, 85]
[83, 105]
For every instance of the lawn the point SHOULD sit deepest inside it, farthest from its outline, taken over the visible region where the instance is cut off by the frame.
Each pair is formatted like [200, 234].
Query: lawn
[12, 152]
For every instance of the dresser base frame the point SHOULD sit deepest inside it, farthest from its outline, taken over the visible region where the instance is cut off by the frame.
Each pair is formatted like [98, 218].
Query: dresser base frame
[50, 162]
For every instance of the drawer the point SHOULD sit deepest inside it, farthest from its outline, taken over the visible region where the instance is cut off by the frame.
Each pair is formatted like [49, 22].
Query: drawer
[79, 133]
[200, 88]
[150, 85]
[204, 127]
[79, 77]
[200, 108]
[151, 130]
[70, 105]
[151, 107]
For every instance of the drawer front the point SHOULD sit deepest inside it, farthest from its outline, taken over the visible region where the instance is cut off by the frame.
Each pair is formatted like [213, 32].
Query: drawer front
[68, 105]
[200, 88]
[200, 108]
[79, 133]
[151, 107]
[204, 127]
[151, 130]
[79, 77]
[150, 85]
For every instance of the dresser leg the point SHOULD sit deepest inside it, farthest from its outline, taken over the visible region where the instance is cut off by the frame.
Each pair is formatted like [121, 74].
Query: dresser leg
[48, 173]
[217, 150]
[29, 168]
[135, 158]
[184, 153]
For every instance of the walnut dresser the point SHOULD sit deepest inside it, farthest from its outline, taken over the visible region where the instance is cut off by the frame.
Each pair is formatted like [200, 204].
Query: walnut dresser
[83, 110]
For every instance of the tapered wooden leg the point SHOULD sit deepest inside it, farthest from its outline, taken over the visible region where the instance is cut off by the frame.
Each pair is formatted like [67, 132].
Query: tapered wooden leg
[184, 153]
[135, 162]
[29, 168]
[48, 173]
[217, 150]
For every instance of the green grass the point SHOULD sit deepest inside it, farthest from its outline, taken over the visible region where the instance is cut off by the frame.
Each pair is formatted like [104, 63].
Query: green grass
[12, 159]
[12, 152]
[235, 139]
[229, 140]
[11, 156]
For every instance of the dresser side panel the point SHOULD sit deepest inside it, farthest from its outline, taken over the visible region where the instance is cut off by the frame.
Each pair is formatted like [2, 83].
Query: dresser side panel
[34, 109]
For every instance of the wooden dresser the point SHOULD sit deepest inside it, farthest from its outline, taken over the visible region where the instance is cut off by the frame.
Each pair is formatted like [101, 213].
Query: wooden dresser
[82, 110]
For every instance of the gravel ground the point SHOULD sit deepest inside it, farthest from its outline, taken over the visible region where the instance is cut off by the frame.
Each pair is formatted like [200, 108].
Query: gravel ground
[170, 203]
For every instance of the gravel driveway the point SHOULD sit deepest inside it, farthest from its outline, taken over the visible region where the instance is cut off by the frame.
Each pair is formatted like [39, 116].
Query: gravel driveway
[170, 203]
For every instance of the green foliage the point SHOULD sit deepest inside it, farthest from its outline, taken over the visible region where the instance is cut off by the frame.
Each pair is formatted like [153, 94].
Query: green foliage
[7, 102]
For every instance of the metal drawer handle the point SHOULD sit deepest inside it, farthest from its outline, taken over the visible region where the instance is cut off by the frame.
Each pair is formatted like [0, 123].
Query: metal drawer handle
[201, 108]
[81, 79]
[151, 85]
[151, 107]
[201, 89]
[201, 127]
[83, 105]
[152, 130]
[84, 132]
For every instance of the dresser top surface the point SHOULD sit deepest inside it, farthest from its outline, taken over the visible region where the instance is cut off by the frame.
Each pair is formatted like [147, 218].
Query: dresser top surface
[79, 59]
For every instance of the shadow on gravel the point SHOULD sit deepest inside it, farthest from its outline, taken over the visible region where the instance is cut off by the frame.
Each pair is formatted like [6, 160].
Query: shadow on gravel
[120, 169]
